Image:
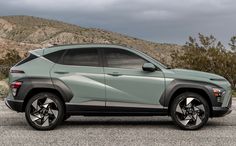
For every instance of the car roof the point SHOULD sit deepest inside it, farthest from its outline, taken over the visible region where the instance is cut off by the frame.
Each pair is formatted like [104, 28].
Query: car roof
[74, 46]
[88, 45]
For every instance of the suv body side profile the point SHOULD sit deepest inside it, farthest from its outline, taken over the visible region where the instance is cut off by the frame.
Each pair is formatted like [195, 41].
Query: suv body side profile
[54, 83]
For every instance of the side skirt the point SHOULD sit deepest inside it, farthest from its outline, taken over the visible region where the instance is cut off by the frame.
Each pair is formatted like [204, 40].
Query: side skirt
[88, 110]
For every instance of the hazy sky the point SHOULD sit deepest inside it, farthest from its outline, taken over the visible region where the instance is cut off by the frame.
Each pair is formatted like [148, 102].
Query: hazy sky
[169, 21]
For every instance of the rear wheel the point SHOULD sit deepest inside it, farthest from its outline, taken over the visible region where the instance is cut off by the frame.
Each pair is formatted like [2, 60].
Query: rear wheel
[44, 111]
[190, 111]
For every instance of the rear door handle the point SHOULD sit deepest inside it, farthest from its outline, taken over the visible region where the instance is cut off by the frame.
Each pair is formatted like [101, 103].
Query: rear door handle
[116, 74]
[61, 72]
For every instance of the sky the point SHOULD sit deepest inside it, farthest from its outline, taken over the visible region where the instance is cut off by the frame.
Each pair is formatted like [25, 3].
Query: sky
[163, 21]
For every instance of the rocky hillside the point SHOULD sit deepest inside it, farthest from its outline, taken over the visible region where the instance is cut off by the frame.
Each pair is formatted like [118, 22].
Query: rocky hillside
[24, 33]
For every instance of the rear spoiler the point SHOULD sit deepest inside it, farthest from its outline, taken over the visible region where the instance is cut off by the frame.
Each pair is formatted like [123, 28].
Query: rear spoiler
[37, 52]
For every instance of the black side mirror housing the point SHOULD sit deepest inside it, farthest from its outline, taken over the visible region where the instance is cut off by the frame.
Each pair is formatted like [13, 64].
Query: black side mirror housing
[149, 67]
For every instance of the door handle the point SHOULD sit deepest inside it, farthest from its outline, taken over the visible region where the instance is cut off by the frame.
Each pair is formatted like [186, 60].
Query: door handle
[116, 74]
[61, 72]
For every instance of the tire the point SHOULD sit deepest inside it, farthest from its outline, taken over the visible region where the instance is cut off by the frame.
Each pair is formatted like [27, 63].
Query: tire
[190, 111]
[44, 111]
[66, 117]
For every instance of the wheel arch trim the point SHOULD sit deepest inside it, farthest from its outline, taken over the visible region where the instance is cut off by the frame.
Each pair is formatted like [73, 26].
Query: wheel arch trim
[187, 85]
[31, 84]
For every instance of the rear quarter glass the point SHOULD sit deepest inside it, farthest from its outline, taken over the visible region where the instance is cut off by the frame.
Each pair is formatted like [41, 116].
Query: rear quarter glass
[27, 59]
[55, 56]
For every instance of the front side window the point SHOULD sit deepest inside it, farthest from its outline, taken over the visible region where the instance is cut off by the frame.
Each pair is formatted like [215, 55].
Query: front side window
[118, 58]
[81, 57]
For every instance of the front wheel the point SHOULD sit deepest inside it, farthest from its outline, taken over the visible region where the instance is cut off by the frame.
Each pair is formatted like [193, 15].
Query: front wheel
[44, 111]
[190, 111]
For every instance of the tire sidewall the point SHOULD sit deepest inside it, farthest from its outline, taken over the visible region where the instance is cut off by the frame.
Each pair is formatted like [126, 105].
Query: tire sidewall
[57, 101]
[180, 98]
[66, 117]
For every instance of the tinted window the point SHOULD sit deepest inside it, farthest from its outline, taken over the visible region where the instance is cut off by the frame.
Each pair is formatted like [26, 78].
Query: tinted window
[27, 59]
[118, 58]
[81, 57]
[55, 56]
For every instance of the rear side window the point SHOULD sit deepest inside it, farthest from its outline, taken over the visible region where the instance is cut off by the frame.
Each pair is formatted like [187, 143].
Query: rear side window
[27, 59]
[118, 58]
[82, 57]
[55, 56]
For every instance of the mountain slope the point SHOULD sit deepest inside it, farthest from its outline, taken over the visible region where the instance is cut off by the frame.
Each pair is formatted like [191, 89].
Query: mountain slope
[24, 33]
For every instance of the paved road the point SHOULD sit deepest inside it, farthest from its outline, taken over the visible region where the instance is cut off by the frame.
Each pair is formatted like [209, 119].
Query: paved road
[116, 131]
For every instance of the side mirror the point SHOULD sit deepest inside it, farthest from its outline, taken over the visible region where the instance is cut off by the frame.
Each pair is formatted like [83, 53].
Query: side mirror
[149, 67]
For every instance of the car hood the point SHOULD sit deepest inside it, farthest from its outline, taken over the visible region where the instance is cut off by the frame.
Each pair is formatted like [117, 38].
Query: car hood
[193, 74]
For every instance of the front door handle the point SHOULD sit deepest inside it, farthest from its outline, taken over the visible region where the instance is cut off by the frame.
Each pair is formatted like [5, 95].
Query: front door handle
[116, 74]
[61, 72]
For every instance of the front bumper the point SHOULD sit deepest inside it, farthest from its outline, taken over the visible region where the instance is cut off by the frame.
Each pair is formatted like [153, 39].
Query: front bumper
[221, 111]
[16, 105]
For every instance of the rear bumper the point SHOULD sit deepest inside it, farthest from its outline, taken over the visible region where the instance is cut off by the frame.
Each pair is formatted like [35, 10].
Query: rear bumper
[16, 105]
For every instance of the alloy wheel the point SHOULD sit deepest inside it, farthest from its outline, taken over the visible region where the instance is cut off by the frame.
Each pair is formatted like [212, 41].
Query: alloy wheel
[190, 112]
[43, 112]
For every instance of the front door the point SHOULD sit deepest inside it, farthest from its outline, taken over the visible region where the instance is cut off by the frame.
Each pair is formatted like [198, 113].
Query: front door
[127, 85]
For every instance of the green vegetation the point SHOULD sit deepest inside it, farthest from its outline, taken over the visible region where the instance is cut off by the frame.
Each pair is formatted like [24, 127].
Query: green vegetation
[10, 58]
[232, 43]
[3, 88]
[209, 55]
[234, 93]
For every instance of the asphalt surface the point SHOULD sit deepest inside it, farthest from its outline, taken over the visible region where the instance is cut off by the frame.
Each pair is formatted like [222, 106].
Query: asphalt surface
[108, 131]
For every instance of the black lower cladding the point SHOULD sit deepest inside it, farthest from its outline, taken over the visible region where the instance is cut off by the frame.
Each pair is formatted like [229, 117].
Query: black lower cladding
[15, 105]
[221, 111]
[72, 109]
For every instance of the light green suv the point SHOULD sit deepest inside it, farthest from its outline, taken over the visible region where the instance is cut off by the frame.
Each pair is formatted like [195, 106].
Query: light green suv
[54, 83]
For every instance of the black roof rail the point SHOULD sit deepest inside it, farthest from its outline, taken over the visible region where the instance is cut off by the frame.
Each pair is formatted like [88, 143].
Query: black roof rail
[58, 45]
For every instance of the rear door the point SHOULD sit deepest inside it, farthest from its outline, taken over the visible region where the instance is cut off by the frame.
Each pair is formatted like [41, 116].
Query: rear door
[127, 84]
[81, 70]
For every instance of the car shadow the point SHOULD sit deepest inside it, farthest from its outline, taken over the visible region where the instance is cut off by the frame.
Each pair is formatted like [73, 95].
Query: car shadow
[108, 122]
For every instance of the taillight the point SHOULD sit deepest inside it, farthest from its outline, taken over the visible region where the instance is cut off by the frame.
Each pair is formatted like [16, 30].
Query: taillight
[15, 87]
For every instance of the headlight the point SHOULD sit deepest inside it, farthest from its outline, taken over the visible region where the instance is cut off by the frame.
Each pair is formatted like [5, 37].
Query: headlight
[218, 93]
